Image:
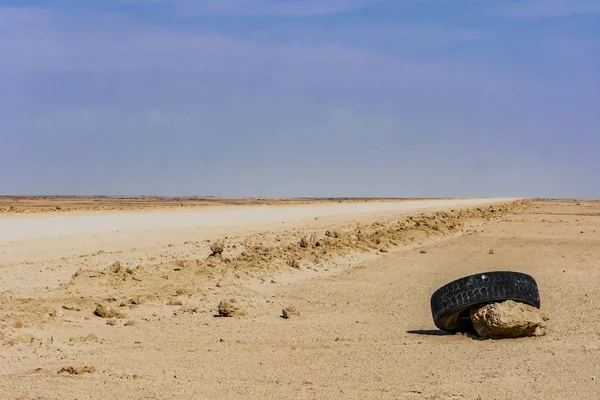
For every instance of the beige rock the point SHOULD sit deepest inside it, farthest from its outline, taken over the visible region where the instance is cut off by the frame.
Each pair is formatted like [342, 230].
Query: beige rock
[17, 324]
[231, 308]
[116, 267]
[105, 311]
[289, 312]
[217, 247]
[174, 302]
[508, 319]
[26, 338]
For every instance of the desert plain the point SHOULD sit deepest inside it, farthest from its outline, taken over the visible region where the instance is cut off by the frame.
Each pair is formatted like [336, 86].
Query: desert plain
[104, 298]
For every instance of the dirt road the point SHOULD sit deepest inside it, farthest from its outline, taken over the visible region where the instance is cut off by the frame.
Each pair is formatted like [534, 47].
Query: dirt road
[52, 236]
[364, 328]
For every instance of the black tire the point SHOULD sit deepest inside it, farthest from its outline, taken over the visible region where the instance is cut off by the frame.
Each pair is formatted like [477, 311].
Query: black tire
[450, 304]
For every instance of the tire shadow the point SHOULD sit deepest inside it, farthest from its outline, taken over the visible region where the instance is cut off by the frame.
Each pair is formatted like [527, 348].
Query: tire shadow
[429, 332]
[434, 332]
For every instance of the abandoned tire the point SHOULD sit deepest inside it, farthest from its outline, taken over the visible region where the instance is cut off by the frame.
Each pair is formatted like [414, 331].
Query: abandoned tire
[450, 304]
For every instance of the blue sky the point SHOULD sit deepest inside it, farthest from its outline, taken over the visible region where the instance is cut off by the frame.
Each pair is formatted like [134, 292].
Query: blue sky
[398, 98]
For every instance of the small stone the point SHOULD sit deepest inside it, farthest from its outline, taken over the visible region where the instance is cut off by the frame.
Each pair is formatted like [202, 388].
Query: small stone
[491, 251]
[174, 302]
[17, 324]
[26, 338]
[304, 242]
[129, 323]
[384, 250]
[91, 338]
[217, 247]
[288, 312]
[230, 308]
[116, 267]
[508, 319]
[77, 370]
[423, 251]
[136, 301]
[105, 311]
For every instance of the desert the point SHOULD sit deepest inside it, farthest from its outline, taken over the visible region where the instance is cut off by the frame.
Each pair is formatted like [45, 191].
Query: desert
[321, 300]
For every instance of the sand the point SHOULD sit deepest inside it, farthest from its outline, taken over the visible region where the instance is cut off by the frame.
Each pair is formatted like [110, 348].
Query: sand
[360, 327]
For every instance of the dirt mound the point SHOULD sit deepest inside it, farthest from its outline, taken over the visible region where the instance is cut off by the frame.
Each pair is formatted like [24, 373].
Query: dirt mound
[261, 255]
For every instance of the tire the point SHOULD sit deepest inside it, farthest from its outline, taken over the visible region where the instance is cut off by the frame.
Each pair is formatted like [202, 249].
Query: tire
[450, 304]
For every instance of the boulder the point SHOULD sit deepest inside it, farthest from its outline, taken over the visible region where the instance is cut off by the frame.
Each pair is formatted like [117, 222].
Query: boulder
[508, 319]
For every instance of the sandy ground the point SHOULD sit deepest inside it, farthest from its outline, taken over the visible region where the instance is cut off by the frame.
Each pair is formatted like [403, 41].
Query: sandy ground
[360, 280]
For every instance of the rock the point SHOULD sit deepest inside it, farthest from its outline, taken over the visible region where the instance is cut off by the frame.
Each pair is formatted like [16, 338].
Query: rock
[230, 308]
[294, 263]
[77, 370]
[423, 251]
[91, 338]
[105, 311]
[217, 247]
[26, 338]
[491, 251]
[174, 302]
[135, 301]
[508, 319]
[17, 324]
[289, 312]
[304, 242]
[384, 249]
[116, 267]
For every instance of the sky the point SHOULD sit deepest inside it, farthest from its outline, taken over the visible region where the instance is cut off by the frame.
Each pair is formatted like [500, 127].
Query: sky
[366, 98]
